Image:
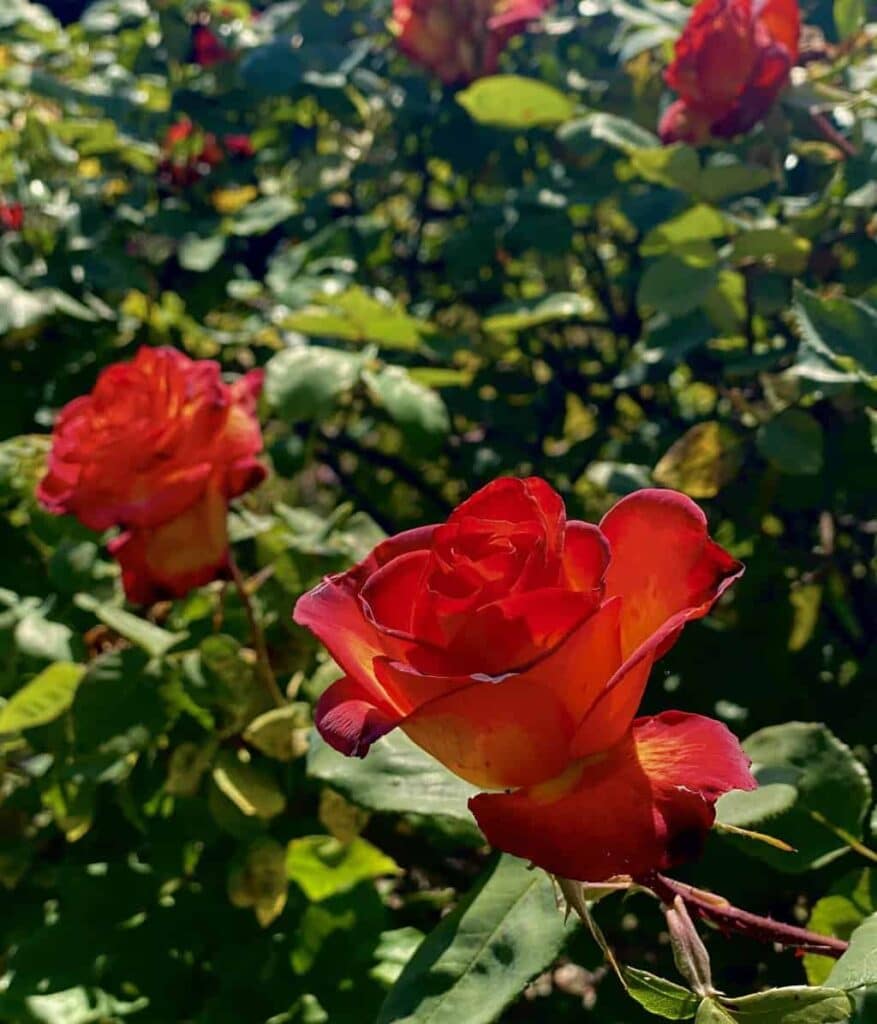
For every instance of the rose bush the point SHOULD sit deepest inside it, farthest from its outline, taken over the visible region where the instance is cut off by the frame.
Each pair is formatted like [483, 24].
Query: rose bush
[731, 62]
[460, 40]
[158, 448]
[514, 647]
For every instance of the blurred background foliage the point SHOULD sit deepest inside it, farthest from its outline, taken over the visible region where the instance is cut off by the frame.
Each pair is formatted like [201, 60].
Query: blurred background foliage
[444, 288]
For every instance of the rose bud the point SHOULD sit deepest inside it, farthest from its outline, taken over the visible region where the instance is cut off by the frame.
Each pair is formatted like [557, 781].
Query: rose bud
[732, 59]
[460, 40]
[514, 646]
[158, 448]
[11, 216]
[188, 155]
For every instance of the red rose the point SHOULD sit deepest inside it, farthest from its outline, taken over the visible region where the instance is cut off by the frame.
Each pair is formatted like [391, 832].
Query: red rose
[514, 647]
[239, 145]
[732, 59]
[11, 216]
[460, 40]
[187, 154]
[208, 49]
[158, 448]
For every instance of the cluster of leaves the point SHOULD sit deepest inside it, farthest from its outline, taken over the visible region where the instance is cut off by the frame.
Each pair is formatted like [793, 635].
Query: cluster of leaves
[516, 278]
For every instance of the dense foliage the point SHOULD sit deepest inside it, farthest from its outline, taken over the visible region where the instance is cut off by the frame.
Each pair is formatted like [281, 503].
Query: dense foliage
[443, 285]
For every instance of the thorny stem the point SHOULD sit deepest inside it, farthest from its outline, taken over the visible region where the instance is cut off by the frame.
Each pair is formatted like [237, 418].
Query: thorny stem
[265, 673]
[728, 918]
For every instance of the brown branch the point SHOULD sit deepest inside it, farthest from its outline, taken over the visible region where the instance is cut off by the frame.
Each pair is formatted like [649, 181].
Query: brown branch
[729, 919]
[263, 661]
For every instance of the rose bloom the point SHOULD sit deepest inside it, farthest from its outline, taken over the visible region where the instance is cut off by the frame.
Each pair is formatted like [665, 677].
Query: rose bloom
[460, 40]
[238, 144]
[11, 216]
[158, 448]
[208, 50]
[514, 646]
[188, 155]
[732, 59]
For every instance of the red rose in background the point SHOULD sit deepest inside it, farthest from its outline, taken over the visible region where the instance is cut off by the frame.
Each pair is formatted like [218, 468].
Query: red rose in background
[514, 646]
[239, 145]
[460, 40]
[11, 216]
[208, 50]
[732, 59]
[188, 154]
[158, 448]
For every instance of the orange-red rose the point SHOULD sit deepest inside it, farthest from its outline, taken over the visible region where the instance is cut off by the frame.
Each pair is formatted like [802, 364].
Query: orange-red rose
[514, 646]
[460, 40]
[158, 448]
[188, 154]
[731, 61]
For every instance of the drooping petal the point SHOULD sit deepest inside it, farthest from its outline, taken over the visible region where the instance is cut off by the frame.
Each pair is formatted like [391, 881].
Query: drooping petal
[350, 717]
[171, 559]
[642, 806]
[663, 562]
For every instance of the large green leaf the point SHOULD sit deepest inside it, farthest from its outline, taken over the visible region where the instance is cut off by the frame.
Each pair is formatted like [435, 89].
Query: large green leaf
[301, 383]
[857, 968]
[151, 638]
[510, 101]
[43, 699]
[481, 956]
[419, 411]
[323, 866]
[659, 996]
[396, 776]
[812, 792]
[793, 1005]
[792, 442]
[838, 329]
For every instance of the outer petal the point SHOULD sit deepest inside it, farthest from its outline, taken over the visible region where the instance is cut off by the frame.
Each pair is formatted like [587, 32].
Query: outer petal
[645, 805]
[782, 20]
[585, 556]
[684, 123]
[495, 734]
[350, 717]
[663, 562]
[172, 559]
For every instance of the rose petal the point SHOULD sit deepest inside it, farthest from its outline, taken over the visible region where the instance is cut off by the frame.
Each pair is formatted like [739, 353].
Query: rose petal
[350, 717]
[391, 591]
[171, 559]
[645, 805]
[782, 21]
[585, 556]
[495, 734]
[663, 562]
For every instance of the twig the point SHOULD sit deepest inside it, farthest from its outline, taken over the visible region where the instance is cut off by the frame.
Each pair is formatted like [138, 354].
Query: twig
[265, 673]
[728, 918]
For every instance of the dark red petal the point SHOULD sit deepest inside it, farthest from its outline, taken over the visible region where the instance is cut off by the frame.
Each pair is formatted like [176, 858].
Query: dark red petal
[782, 21]
[663, 562]
[644, 805]
[392, 590]
[350, 717]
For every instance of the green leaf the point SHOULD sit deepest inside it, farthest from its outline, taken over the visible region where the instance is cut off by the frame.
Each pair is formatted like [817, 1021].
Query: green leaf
[617, 131]
[249, 787]
[701, 462]
[37, 637]
[393, 951]
[839, 914]
[323, 866]
[849, 16]
[81, 1006]
[814, 791]
[678, 282]
[779, 247]
[359, 316]
[480, 957]
[697, 224]
[396, 776]
[151, 638]
[793, 1005]
[20, 308]
[510, 101]
[418, 410]
[261, 216]
[200, 254]
[43, 699]
[659, 996]
[792, 442]
[858, 966]
[521, 315]
[281, 733]
[303, 383]
[711, 1012]
[721, 181]
[839, 329]
[673, 166]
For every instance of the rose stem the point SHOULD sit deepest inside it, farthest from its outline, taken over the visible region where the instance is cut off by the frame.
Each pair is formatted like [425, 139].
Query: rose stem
[266, 673]
[728, 918]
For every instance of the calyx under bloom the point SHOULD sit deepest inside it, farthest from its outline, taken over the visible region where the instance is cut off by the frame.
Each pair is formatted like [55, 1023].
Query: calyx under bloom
[514, 646]
[460, 40]
[732, 59]
[158, 448]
